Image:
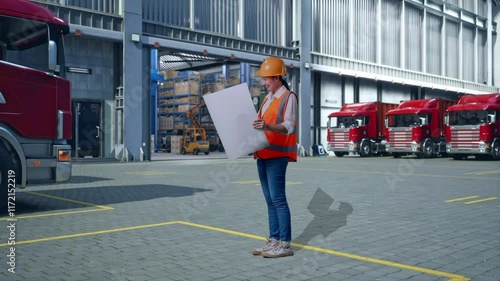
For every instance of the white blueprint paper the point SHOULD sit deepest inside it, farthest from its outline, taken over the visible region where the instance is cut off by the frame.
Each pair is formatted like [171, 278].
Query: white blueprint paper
[233, 113]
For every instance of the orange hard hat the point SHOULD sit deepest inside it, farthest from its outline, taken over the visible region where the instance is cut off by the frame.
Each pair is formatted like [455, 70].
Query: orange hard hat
[272, 66]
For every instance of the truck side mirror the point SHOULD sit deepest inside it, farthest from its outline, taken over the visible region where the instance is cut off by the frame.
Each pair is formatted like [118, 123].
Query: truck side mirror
[359, 122]
[447, 120]
[386, 122]
[328, 124]
[423, 121]
[53, 56]
[492, 118]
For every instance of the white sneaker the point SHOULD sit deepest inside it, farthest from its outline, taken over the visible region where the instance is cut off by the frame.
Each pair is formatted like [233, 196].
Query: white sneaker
[281, 249]
[269, 245]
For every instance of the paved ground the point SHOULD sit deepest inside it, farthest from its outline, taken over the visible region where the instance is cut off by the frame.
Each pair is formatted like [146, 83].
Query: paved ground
[353, 219]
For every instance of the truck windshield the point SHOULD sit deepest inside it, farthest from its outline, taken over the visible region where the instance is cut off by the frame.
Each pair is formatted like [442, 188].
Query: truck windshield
[469, 117]
[24, 42]
[343, 122]
[348, 121]
[404, 120]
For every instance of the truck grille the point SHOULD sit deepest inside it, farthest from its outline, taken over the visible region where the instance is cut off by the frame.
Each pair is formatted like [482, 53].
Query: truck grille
[400, 139]
[339, 139]
[464, 138]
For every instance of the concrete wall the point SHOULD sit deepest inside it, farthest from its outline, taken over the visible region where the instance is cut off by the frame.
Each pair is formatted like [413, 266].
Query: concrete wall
[96, 54]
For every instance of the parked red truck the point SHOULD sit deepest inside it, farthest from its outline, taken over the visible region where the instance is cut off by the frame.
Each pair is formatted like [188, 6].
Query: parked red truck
[358, 128]
[35, 101]
[417, 127]
[473, 127]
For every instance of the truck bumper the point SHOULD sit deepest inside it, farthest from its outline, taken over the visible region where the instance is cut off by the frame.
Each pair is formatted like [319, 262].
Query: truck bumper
[471, 148]
[353, 147]
[63, 166]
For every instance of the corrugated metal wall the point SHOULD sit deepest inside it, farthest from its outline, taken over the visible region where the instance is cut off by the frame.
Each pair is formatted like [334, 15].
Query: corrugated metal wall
[365, 26]
[262, 20]
[344, 24]
[391, 33]
[482, 57]
[468, 52]
[451, 49]
[434, 25]
[330, 25]
[413, 33]
[173, 12]
[104, 6]
[220, 16]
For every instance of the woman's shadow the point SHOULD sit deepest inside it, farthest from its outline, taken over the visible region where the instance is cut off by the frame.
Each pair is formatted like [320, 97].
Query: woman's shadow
[325, 221]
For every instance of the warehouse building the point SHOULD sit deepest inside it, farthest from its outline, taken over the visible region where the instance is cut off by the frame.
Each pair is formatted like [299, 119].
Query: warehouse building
[127, 58]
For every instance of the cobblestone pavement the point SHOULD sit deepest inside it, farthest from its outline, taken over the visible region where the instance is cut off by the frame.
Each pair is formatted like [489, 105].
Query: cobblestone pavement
[353, 219]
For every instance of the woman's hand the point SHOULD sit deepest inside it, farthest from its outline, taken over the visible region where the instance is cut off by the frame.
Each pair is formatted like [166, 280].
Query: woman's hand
[259, 124]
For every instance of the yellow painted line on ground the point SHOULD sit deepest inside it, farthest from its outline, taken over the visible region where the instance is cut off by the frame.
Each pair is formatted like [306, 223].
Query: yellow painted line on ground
[461, 199]
[383, 262]
[484, 173]
[89, 233]
[246, 182]
[71, 200]
[481, 200]
[52, 214]
[150, 173]
[453, 277]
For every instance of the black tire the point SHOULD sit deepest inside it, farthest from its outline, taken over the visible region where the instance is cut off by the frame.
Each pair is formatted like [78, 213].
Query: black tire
[207, 152]
[339, 154]
[7, 165]
[483, 157]
[495, 150]
[396, 155]
[183, 151]
[365, 149]
[196, 151]
[458, 156]
[428, 149]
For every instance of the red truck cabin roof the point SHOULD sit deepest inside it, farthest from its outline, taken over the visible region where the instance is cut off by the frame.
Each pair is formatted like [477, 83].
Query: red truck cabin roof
[29, 10]
[355, 109]
[478, 102]
[410, 110]
[415, 107]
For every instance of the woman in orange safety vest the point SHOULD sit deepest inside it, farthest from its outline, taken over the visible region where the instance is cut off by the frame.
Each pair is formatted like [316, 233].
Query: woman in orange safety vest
[277, 117]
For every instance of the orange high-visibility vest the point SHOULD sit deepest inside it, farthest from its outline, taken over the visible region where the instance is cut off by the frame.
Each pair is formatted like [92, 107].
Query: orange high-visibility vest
[280, 145]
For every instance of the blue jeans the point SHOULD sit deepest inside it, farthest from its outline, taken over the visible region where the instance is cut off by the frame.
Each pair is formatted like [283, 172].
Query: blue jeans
[272, 174]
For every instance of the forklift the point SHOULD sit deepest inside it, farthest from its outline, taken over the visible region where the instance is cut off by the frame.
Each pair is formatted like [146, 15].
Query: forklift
[195, 138]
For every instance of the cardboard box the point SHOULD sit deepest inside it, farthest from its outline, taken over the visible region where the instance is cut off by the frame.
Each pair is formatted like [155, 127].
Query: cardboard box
[187, 87]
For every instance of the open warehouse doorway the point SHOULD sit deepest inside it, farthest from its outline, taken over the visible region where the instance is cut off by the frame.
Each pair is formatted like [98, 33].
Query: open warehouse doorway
[181, 124]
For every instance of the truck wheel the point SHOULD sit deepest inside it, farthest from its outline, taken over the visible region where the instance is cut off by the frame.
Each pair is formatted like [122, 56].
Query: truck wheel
[396, 155]
[458, 156]
[366, 149]
[338, 154]
[183, 151]
[428, 149]
[196, 151]
[495, 150]
[207, 152]
[7, 164]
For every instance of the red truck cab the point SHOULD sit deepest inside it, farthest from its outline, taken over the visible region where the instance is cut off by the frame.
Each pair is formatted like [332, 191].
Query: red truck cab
[417, 127]
[358, 128]
[35, 100]
[473, 127]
